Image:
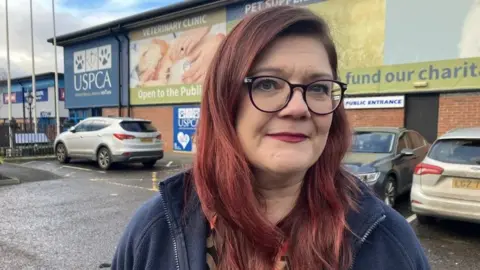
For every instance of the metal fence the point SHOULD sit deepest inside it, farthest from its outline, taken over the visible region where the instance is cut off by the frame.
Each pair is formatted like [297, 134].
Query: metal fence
[25, 141]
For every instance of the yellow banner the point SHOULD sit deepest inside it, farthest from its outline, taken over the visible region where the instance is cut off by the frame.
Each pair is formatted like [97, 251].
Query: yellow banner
[418, 77]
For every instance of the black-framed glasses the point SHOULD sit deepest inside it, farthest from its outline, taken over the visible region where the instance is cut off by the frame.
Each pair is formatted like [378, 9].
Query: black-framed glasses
[272, 94]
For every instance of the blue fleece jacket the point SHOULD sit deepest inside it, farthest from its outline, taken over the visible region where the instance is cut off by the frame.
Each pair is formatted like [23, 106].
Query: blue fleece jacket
[160, 236]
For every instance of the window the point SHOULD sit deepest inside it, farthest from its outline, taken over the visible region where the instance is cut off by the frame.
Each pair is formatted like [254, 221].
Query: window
[416, 139]
[138, 126]
[97, 125]
[82, 127]
[372, 142]
[456, 151]
[402, 143]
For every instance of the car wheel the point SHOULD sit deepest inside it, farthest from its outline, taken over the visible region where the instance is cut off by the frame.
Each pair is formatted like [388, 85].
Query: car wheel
[425, 219]
[149, 164]
[62, 154]
[104, 158]
[390, 191]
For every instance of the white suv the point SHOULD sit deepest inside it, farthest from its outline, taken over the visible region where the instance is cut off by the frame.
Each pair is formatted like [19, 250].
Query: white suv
[108, 140]
[447, 182]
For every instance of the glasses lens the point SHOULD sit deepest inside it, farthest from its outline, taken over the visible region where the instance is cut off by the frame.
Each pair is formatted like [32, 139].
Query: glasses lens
[323, 96]
[270, 94]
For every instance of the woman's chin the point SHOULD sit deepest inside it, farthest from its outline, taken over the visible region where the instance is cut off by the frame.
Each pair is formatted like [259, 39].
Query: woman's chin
[289, 165]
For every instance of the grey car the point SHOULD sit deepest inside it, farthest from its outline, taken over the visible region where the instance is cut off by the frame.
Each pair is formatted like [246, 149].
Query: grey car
[385, 159]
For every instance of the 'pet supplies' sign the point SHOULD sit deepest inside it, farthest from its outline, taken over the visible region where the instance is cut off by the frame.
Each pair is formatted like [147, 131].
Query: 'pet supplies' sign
[91, 78]
[185, 120]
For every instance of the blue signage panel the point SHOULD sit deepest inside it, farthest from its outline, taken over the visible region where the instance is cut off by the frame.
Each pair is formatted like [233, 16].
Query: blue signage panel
[185, 120]
[16, 97]
[42, 95]
[91, 74]
[239, 10]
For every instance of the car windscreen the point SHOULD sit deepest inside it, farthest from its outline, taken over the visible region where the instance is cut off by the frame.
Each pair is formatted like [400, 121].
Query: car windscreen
[138, 126]
[457, 151]
[372, 142]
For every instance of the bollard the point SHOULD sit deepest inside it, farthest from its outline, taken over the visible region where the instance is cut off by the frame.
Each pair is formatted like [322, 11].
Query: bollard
[154, 181]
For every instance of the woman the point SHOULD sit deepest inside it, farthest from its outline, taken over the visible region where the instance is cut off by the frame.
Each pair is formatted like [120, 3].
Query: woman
[267, 190]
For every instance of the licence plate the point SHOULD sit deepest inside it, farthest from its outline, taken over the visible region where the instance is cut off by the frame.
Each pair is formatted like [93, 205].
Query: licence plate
[466, 183]
[146, 139]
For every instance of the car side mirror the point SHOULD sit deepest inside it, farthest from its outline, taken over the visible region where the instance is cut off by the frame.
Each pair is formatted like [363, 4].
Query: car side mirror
[407, 152]
[72, 130]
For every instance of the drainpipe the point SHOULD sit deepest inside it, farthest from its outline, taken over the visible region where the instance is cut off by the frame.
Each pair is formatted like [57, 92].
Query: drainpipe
[128, 73]
[119, 72]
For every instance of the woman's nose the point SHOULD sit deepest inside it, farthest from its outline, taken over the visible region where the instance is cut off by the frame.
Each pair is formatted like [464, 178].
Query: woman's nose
[296, 107]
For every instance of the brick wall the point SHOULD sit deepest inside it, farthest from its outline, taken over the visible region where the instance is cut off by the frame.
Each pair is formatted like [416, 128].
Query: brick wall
[113, 111]
[458, 110]
[376, 117]
[162, 119]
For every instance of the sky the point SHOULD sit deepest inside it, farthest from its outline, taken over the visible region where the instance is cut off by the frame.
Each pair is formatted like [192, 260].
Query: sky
[70, 16]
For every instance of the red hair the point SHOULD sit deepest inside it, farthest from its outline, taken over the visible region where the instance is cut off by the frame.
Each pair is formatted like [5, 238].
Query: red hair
[316, 228]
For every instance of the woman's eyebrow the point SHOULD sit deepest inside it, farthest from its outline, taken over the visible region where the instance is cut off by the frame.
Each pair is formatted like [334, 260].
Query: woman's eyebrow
[269, 70]
[320, 75]
[282, 72]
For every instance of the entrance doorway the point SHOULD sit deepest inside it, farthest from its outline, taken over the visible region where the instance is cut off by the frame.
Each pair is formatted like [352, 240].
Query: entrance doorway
[77, 115]
[421, 114]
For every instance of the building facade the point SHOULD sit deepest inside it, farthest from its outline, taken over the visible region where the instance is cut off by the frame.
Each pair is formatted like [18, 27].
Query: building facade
[45, 98]
[422, 73]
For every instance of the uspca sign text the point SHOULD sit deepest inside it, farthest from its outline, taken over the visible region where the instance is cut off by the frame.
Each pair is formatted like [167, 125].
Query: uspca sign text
[92, 69]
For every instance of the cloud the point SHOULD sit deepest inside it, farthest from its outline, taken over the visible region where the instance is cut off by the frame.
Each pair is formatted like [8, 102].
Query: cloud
[70, 16]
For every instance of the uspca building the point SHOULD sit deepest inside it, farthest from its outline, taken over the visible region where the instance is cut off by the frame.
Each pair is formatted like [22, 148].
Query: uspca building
[401, 75]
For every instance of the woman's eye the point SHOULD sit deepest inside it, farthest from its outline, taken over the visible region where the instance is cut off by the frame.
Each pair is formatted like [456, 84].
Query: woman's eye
[266, 85]
[319, 88]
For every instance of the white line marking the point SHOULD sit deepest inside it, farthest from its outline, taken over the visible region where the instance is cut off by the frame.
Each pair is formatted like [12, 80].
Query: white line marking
[29, 162]
[77, 168]
[69, 174]
[101, 171]
[169, 163]
[122, 185]
[411, 218]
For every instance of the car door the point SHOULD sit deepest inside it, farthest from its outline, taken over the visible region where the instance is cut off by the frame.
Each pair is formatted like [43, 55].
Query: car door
[417, 145]
[73, 140]
[92, 138]
[422, 145]
[403, 164]
[82, 133]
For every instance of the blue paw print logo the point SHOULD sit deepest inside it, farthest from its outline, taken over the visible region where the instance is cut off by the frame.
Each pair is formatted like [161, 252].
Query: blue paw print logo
[104, 56]
[79, 62]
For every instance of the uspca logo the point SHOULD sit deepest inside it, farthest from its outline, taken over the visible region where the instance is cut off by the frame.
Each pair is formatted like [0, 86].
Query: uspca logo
[91, 68]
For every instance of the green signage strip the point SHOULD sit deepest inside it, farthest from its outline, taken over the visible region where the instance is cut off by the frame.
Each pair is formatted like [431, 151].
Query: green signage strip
[417, 77]
[170, 94]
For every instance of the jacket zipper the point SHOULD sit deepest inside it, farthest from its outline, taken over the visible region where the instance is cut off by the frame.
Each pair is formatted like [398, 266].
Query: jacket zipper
[175, 249]
[365, 236]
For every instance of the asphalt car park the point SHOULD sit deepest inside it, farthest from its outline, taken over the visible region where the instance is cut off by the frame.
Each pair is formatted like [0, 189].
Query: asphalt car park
[448, 244]
[130, 174]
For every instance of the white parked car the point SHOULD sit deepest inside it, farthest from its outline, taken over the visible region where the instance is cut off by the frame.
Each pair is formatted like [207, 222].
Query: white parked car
[109, 140]
[447, 183]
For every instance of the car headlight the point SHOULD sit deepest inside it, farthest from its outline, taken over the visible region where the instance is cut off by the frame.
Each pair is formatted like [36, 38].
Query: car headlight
[369, 178]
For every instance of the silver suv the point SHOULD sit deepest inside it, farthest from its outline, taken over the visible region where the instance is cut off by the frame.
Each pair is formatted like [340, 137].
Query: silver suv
[447, 182]
[109, 140]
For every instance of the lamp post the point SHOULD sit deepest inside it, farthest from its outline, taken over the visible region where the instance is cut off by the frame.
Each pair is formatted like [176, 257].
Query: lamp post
[30, 101]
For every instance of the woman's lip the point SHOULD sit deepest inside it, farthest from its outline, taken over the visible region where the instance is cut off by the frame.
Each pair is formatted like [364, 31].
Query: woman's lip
[288, 137]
